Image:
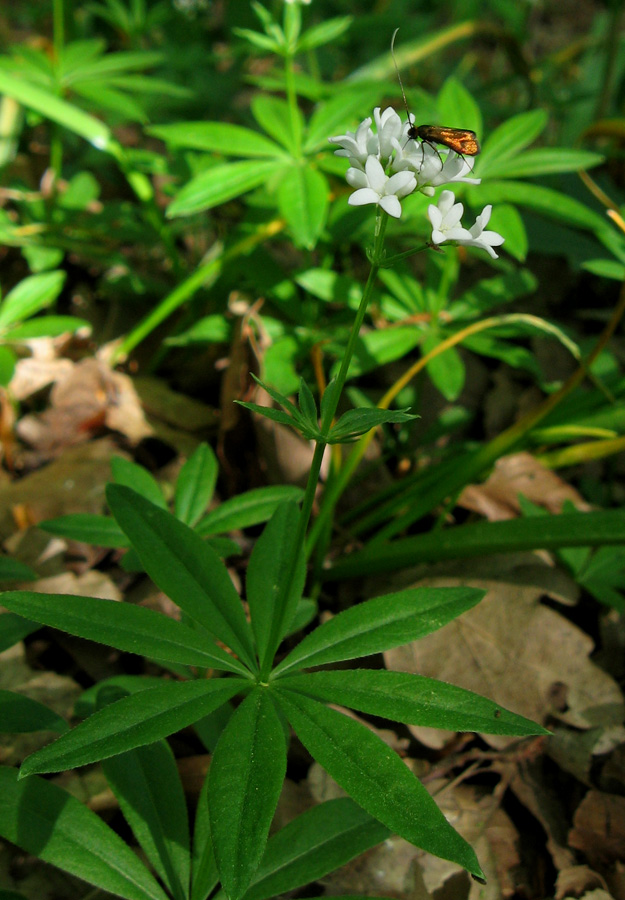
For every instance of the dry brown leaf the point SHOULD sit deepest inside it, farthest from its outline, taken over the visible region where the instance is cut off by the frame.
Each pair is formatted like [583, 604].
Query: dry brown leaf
[57, 692]
[599, 828]
[34, 373]
[576, 881]
[90, 584]
[478, 818]
[519, 473]
[173, 408]
[519, 653]
[84, 401]
[579, 753]
[74, 482]
[388, 870]
[536, 793]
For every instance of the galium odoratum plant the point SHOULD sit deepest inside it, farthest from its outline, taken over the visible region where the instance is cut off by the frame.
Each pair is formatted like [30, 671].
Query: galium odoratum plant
[220, 655]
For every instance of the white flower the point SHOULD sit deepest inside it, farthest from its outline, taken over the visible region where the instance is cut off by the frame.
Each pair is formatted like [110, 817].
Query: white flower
[358, 145]
[445, 219]
[364, 142]
[431, 167]
[303, 2]
[390, 130]
[485, 240]
[375, 186]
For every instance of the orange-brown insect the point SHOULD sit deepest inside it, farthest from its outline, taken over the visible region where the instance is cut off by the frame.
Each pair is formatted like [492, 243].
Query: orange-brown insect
[460, 140]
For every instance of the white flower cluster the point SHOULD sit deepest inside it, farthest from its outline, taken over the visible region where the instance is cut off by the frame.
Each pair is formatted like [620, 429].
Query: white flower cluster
[387, 165]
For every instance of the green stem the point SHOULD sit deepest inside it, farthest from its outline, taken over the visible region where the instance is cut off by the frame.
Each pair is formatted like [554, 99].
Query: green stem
[291, 98]
[330, 409]
[292, 26]
[58, 41]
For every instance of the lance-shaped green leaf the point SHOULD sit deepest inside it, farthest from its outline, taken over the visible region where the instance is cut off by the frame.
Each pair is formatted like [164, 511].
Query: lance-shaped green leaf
[413, 699]
[20, 714]
[134, 629]
[148, 787]
[280, 120]
[103, 531]
[133, 722]
[250, 508]
[244, 784]
[49, 823]
[379, 624]
[195, 485]
[376, 778]
[14, 628]
[355, 422]
[303, 202]
[127, 472]
[204, 874]
[271, 608]
[220, 137]
[58, 110]
[45, 326]
[184, 568]
[29, 296]
[512, 136]
[317, 842]
[14, 570]
[223, 183]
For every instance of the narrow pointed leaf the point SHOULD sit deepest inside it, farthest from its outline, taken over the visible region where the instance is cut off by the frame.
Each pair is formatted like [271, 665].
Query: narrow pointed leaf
[20, 714]
[58, 110]
[139, 479]
[376, 778]
[221, 137]
[220, 184]
[14, 628]
[133, 722]
[379, 624]
[103, 531]
[413, 699]
[185, 568]
[49, 823]
[271, 609]
[204, 874]
[148, 787]
[303, 199]
[29, 296]
[195, 485]
[245, 780]
[312, 845]
[250, 508]
[279, 120]
[134, 629]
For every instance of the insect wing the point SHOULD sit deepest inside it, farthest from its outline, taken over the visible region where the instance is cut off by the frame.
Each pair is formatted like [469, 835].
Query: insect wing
[461, 140]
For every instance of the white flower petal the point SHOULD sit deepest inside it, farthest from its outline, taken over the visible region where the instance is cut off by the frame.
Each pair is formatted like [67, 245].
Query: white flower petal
[363, 196]
[391, 205]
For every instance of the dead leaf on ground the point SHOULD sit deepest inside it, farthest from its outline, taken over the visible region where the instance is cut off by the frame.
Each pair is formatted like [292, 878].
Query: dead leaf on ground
[576, 881]
[82, 402]
[580, 754]
[519, 473]
[74, 482]
[599, 828]
[519, 653]
[57, 692]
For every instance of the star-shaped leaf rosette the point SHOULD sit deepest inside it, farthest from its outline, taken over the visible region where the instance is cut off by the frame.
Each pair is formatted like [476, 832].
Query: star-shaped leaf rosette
[386, 165]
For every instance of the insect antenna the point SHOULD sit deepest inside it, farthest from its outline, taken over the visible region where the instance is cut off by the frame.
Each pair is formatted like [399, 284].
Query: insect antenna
[411, 127]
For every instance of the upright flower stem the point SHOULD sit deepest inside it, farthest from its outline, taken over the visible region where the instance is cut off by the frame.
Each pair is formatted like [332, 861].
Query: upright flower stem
[330, 410]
